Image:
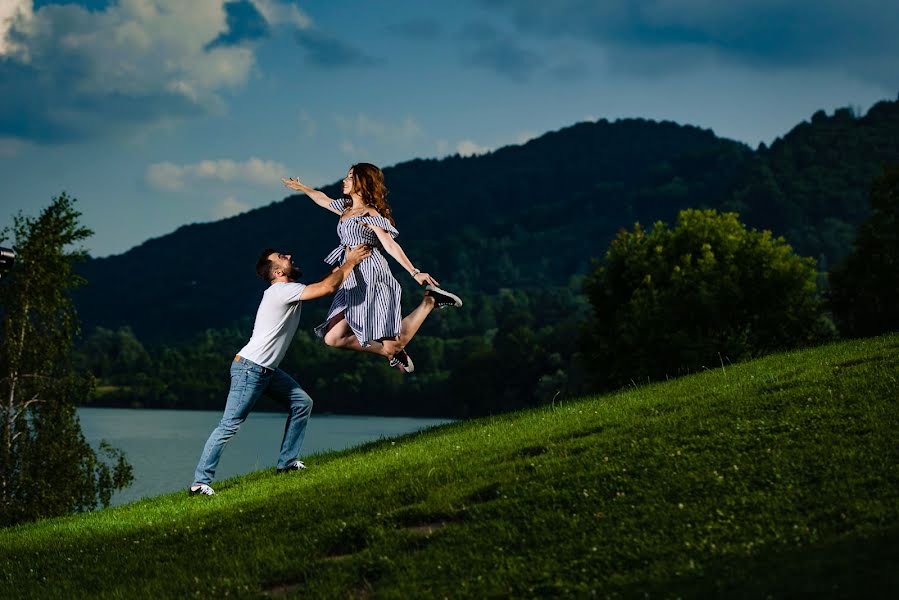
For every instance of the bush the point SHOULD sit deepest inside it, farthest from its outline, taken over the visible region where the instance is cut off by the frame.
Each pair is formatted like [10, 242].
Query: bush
[671, 301]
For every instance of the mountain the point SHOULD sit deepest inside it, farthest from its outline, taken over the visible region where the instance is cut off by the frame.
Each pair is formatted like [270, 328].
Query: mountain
[528, 216]
[812, 185]
[522, 215]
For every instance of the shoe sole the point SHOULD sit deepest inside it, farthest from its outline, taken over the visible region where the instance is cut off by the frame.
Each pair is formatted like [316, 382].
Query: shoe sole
[456, 299]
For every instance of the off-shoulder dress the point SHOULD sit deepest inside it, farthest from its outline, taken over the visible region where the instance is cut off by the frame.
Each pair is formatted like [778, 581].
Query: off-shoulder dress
[370, 296]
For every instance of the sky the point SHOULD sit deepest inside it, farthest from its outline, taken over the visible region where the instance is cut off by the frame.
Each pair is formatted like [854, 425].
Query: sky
[159, 113]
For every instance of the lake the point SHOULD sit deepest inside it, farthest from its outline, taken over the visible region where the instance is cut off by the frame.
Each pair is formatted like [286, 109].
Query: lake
[164, 446]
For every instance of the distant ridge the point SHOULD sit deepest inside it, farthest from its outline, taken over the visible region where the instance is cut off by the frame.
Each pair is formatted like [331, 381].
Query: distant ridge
[522, 216]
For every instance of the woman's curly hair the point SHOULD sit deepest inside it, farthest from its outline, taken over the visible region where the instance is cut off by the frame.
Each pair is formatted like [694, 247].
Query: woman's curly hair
[368, 182]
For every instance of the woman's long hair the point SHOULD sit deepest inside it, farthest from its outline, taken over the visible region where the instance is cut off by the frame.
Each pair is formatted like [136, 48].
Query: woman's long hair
[368, 182]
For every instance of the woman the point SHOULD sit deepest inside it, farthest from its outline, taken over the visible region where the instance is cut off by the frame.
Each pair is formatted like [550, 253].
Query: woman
[365, 314]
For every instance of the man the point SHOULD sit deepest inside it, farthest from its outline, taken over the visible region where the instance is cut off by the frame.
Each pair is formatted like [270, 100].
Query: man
[255, 368]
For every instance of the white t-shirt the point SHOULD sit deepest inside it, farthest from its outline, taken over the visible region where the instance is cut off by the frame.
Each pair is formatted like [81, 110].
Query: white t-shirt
[276, 323]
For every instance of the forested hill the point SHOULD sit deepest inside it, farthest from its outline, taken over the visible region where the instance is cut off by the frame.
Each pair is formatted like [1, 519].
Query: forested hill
[812, 185]
[523, 216]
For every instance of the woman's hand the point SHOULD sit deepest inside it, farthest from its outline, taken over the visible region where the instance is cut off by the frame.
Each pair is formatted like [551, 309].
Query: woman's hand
[425, 278]
[295, 184]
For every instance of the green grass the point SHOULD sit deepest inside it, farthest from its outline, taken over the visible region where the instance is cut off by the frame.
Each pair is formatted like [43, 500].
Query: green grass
[773, 478]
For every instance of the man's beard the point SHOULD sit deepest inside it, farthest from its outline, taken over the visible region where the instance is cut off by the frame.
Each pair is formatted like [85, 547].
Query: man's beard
[294, 273]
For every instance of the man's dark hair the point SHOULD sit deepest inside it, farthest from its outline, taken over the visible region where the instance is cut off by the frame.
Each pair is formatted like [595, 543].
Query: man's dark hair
[264, 265]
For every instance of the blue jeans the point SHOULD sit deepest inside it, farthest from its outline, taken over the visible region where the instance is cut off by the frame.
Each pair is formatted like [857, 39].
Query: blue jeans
[248, 382]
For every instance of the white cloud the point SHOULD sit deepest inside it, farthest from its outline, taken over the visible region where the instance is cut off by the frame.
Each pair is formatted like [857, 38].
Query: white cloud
[255, 171]
[12, 11]
[229, 207]
[135, 62]
[470, 148]
[364, 125]
[278, 13]
[524, 137]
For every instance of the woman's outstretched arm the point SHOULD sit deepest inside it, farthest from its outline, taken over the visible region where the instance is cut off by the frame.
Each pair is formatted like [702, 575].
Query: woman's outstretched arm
[319, 197]
[396, 251]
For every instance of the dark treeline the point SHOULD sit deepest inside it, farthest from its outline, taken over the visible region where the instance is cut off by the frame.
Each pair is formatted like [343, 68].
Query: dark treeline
[514, 232]
[521, 356]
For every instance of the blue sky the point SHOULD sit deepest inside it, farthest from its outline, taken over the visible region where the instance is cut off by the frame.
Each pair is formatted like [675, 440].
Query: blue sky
[157, 113]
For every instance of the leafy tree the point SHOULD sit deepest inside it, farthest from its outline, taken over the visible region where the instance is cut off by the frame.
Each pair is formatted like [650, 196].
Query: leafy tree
[864, 293]
[112, 354]
[670, 301]
[47, 468]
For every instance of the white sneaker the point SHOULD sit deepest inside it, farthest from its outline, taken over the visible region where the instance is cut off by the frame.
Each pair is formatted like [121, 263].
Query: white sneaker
[201, 489]
[443, 297]
[402, 361]
[294, 465]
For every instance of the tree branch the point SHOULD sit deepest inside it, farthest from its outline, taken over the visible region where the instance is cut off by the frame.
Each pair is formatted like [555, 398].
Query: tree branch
[34, 400]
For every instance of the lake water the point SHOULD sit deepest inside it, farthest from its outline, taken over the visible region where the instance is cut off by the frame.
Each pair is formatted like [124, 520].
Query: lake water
[164, 446]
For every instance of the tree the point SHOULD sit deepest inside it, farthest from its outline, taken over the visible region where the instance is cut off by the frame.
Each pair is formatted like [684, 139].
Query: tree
[864, 294]
[47, 468]
[670, 301]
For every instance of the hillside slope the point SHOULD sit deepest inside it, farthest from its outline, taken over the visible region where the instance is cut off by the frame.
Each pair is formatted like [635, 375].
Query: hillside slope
[774, 478]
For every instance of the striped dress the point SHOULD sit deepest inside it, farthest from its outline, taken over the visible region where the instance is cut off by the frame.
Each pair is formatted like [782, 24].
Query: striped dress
[370, 296]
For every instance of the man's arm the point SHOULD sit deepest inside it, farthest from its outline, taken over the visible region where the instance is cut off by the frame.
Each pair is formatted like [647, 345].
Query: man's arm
[333, 280]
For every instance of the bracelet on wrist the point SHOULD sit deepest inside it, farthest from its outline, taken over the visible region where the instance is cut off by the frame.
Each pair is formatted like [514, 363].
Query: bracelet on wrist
[415, 272]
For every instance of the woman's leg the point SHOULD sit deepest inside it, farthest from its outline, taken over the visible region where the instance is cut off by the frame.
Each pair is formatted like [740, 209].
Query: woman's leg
[413, 321]
[340, 335]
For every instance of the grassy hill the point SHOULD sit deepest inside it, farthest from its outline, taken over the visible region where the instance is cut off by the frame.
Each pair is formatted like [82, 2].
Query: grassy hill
[773, 478]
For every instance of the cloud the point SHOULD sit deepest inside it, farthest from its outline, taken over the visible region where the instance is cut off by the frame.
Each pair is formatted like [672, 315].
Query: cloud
[171, 177]
[524, 137]
[470, 148]
[862, 35]
[245, 23]
[249, 20]
[307, 124]
[69, 73]
[228, 208]
[279, 12]
[12, 12]
[10, 147]
[488, 48]
[326, 51]
[363, 125]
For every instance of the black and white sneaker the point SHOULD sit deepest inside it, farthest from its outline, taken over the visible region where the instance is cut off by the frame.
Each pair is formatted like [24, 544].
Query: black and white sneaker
[402, 361]
[443, 297]
[294, 465]
[201, 489]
